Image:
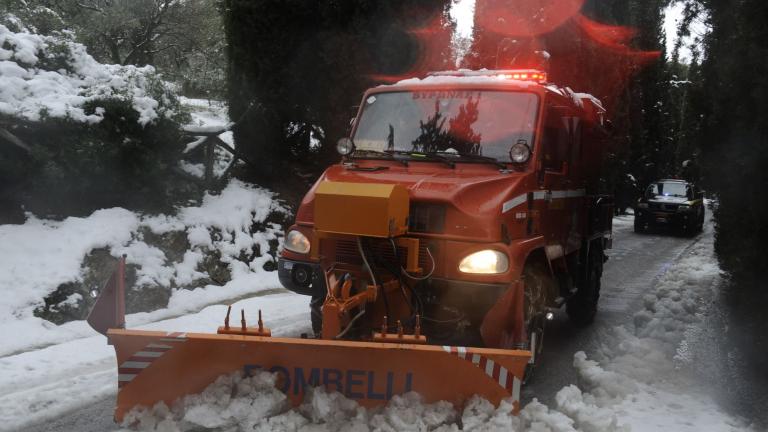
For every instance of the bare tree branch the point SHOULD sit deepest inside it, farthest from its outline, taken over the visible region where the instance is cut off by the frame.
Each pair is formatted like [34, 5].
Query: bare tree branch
[90, 7]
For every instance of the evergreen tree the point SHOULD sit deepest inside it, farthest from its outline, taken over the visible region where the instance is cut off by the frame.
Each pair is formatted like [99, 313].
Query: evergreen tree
[298, 68]
[651, 131]
[733, 104]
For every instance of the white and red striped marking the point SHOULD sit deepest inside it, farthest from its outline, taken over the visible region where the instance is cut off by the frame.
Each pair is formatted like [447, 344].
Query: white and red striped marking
[175, 337]
[497, 372]
[141, 360]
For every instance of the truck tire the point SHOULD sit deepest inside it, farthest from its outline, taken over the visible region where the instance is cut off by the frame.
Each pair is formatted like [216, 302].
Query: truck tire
[582, 307]
[535, 276]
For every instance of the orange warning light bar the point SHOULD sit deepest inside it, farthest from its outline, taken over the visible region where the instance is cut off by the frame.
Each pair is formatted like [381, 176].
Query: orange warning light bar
[524, 75]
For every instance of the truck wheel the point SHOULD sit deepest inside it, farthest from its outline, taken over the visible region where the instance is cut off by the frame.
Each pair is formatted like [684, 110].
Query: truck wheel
[582, 307]
[535, 277]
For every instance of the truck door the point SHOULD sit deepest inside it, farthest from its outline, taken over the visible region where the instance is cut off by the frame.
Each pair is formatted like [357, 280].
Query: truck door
[554, 181]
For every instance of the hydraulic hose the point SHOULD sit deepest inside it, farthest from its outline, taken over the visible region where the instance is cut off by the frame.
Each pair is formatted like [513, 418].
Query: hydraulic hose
[373, 277]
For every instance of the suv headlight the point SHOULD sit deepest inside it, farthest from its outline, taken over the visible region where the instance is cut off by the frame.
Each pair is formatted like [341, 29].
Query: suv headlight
[297, 242]
[485, 262]
[683, 207]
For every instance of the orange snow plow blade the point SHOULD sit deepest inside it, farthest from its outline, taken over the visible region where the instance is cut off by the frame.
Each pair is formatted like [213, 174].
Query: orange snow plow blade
[159, 366]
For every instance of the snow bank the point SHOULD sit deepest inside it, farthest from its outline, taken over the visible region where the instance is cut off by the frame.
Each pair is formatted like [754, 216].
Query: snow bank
[50, 76]
[640, 382]
[223, 222]
[40, 255]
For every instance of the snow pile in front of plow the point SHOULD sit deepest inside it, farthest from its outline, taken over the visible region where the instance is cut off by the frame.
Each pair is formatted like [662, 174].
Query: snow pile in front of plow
[238, 403]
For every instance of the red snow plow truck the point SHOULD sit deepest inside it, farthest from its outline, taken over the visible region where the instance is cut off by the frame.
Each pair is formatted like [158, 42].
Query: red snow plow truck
[465, 209]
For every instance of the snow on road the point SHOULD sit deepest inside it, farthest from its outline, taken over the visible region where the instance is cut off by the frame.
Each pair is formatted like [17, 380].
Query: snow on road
[642, 376]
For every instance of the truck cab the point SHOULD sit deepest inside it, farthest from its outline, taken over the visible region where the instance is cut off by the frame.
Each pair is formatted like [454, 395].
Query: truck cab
[501, 174]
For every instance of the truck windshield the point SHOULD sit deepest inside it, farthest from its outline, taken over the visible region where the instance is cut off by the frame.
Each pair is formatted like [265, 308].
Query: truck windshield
[468, 122]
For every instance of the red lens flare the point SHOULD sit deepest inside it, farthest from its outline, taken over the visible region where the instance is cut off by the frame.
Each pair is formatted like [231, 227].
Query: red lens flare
[432, 44]
[617, 39]
[525, 18]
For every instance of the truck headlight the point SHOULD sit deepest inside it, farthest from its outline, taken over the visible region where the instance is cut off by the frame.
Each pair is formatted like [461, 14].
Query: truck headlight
[683, 208]
[485, 262]
[297, 242]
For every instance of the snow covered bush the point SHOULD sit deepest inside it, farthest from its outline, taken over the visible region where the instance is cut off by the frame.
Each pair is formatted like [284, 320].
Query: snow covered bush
[80, 134]
[222, 248]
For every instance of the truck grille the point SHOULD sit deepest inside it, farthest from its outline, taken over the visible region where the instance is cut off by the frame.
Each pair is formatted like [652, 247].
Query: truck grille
[426, 218]
[347, 253]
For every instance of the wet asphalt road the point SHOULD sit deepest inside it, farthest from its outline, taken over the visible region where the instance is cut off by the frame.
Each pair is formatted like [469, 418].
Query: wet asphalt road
[636, 263]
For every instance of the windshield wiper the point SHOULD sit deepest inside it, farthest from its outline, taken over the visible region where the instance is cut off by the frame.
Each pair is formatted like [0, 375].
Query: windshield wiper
[381, 154]
[477, 158]
[414, 155]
